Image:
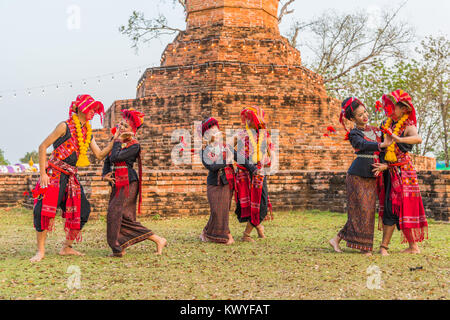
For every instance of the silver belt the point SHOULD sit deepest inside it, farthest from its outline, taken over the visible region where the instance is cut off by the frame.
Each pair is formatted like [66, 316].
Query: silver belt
[367, 156]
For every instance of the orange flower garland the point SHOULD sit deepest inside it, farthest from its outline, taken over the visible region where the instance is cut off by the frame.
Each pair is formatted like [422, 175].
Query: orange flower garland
[83, 160]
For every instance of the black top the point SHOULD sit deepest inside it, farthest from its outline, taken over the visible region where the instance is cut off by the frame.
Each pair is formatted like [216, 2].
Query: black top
[73, 158]
[214, 162]
[364, 143]
[128, 155]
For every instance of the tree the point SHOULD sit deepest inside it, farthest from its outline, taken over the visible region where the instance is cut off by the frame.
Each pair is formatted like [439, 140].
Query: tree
[436, 69]
[345, 42]
[3, 161]
[425, 78]
[33, 154]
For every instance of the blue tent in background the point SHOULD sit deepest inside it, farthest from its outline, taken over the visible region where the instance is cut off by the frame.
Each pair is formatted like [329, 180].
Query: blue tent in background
[440, 165]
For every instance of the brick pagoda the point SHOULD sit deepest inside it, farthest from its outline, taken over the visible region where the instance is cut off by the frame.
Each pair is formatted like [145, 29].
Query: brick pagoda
[232, 56]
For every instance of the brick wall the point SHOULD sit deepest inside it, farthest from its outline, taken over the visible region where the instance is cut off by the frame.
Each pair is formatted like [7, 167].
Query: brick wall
[169, 193]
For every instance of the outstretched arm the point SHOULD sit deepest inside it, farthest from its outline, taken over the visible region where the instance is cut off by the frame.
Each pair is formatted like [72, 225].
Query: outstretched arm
[101, 154]
[59, 131]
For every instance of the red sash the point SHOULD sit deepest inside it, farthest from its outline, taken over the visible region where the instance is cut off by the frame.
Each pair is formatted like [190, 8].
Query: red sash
[121, 175]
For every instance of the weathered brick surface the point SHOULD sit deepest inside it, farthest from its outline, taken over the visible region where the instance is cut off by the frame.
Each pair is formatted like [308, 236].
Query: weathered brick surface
[231, 56]
[184, 193]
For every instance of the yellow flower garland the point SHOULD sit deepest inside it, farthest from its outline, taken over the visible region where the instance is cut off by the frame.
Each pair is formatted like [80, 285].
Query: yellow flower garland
[83, 160]
[257, 156]
[390, 153]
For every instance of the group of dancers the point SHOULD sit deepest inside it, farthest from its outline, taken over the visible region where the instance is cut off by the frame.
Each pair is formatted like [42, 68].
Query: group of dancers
[382, 170]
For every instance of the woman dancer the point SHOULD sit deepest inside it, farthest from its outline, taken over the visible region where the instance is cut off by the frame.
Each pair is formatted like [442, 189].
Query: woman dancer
[400, 196]
[220, 184]
[122, 228]
[361, 182]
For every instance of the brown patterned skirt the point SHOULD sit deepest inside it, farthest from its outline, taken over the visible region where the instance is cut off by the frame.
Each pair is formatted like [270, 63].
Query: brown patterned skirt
[361, 207]
[122, 228]
[219, 198]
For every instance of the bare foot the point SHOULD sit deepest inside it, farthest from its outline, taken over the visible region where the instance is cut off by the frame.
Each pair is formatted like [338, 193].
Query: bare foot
[38, 257]
[260, 230]
[202, 237]
[384, 252]
[335, 244]
[160, 244]
[366, 253]
[411, 250]
[247, 238]
[69, 251]
[230, 240]
[117, 255]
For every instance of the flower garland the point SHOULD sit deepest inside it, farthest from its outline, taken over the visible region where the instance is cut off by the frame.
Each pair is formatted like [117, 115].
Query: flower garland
[83, 160]
[390, 153]
[257, 156]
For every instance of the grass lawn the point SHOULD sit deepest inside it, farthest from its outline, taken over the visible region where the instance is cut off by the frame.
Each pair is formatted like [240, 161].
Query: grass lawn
[293, 262]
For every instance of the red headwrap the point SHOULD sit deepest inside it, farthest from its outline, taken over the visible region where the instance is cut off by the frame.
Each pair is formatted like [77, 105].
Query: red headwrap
[256, 115]
[208, 124]
[391, 99]
[136, 118]
[348, 103]
[85, 102]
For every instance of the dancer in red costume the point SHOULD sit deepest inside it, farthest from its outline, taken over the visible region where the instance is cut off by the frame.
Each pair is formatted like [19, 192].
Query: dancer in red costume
[400, 200]
[253, 155]
[58, 186]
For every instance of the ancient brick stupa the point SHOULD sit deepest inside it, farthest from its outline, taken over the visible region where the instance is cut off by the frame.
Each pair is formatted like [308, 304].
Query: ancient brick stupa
[231, 56]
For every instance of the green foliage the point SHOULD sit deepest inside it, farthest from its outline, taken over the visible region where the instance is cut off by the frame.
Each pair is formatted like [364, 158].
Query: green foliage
[3, 161]
[33, 154]
[425, 78]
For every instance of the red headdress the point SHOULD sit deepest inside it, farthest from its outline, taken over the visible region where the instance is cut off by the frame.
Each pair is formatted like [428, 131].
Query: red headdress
[208, 124]
[352, 103]
[256, 115]
[85, 102]
[136, 118]
[397, 96]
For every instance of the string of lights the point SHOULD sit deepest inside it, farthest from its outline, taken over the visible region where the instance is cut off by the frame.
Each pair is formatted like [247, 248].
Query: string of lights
[98, 79]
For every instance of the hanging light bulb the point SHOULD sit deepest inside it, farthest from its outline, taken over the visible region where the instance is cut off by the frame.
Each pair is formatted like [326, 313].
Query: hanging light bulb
[15, 95]
[57, 87]
[71, 85]
[84, 82]
[29, 92]
[112, 77]
[98, 81]
[126, 74]
[43, 91]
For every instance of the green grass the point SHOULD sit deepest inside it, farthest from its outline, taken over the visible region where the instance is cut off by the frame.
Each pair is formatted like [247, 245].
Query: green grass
[293, 262]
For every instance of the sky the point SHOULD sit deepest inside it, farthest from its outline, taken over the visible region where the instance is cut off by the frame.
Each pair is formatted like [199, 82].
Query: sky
[76, 48]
